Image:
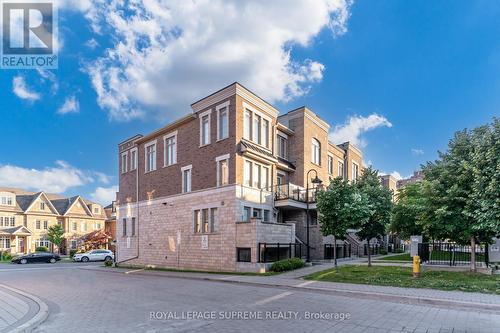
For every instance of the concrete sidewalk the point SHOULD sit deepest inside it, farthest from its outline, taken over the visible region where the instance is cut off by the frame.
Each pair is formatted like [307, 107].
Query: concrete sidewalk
[19, 311]
[449, 299]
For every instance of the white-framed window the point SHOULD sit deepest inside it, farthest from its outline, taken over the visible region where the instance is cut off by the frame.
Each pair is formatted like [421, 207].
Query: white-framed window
[265, 133]
[247, 213]
[281, 146]
[186, 178]
[205, 128]
[38, 224]
[340, 171]
[256, 127]
[257, 213]
[247, 125]
[12, 221]
[133, 159]
[74, 226]
[223, 121]
[42, 205]
[330, 165]
[73, 244]
[96, 210]
[125, 162]
[45, 225]
[42, 242]
[355, 171]
[222, 170]
[205, 220]
[6, 201]
[4, 242]
[255, 175]
[170, 150]
[150, 150]
[83, 226]
[280, 179]
[315, 152]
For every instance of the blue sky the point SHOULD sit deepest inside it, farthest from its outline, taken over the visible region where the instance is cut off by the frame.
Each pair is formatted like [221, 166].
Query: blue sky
[398, 77]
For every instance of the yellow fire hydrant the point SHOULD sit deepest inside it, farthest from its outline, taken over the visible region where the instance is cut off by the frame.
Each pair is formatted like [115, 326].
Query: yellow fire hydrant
[416, 266]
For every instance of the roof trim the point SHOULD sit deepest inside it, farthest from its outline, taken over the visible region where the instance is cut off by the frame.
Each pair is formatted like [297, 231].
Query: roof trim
[78, 198]
[35, 198]
[167, 128]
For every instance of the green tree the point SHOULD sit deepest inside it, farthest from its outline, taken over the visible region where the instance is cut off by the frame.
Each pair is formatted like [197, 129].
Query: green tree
[55, 235]
[461, 189]
[378, 200]
[407, 211]
[340, 208]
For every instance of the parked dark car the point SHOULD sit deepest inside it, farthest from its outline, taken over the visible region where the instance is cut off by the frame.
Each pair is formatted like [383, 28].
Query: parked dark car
[37, 257]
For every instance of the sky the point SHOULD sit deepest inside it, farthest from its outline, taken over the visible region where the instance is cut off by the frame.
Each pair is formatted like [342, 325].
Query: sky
[397, 78]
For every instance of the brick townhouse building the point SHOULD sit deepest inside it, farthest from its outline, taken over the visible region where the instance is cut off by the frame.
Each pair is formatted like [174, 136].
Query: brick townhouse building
[218, 188]
[25, 218]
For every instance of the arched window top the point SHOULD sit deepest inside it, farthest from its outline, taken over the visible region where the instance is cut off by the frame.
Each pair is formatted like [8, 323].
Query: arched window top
[316, 151]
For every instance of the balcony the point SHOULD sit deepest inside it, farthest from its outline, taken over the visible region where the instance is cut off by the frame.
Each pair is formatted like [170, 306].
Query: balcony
[294, 196]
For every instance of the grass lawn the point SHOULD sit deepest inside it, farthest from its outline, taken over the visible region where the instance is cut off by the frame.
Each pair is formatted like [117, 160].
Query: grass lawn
[402, 277]
[397, 257]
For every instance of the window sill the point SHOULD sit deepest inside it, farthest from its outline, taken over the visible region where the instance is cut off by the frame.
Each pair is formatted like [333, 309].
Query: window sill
[146, 172]
[318, 165]
[222, 139]
[206, 144]
[169, 165]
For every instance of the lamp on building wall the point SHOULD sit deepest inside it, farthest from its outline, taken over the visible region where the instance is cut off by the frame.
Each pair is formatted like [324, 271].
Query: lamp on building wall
[316, 181]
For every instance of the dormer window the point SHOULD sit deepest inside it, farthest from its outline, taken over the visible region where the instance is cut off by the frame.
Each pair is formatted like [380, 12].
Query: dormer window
[6, 200]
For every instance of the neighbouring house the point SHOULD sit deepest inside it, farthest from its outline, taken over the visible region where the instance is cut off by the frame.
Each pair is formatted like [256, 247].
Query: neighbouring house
[390, 182]
[25, 218]
[110, 225]
[225, 187]
[417, 176]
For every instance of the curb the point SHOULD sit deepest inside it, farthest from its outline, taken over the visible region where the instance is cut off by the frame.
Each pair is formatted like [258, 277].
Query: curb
[36, 320]
[335, 291]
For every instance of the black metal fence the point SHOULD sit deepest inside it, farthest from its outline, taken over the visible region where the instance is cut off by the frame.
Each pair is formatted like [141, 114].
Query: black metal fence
[343, 251]
[374, 249]
[271, 252]
[451, 254]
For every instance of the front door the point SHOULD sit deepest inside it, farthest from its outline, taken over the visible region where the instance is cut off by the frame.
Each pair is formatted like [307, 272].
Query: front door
[20, 244]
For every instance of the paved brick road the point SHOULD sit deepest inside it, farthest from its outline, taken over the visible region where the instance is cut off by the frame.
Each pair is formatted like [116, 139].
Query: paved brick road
[92, 301]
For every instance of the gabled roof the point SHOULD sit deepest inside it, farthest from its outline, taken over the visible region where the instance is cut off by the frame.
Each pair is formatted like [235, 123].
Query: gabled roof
[36, 197]
[19, 230]
[73, 200]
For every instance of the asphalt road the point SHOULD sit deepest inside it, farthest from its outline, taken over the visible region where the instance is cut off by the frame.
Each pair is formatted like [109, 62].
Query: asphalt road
[83, 300]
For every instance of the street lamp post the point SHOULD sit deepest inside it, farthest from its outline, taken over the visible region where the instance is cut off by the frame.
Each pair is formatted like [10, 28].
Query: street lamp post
[316, 181]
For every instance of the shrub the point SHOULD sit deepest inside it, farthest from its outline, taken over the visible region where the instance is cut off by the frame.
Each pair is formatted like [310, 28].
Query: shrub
[399, 251]
[287, 265]
[72, 253]
[42, 249]
[108, 263]
[6, 256]
[383, 251]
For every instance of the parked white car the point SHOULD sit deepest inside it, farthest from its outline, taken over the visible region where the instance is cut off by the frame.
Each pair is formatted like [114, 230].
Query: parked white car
[94, 255]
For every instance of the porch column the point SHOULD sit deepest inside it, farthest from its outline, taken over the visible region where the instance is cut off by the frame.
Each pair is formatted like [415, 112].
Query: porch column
[15, 243]
[27, 246]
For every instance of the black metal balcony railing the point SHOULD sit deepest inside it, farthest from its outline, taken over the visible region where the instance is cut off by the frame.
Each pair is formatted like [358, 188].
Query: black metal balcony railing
[294, 192]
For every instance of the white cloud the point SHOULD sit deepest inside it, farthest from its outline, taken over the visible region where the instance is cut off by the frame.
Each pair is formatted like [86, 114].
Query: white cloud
[354, 128]
[71, 105]
[55, 179]
[104, 195]
[416, 151]
[22, 91]
[50, 77]
[395, 174]
[91, 44]
[168, 54]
